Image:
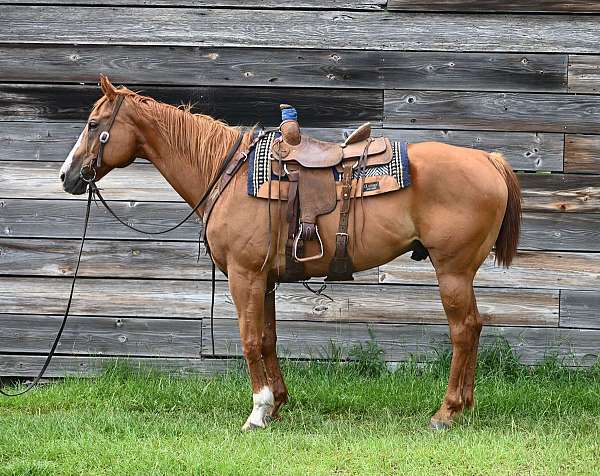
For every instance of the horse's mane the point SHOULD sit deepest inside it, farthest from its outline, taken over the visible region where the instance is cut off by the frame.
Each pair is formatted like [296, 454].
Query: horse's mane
[198, 139]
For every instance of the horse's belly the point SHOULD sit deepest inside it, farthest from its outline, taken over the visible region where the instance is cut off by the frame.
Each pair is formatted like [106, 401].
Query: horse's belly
[380, 230]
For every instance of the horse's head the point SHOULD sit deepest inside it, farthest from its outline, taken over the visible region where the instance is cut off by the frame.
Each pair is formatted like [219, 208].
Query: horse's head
[109, 135]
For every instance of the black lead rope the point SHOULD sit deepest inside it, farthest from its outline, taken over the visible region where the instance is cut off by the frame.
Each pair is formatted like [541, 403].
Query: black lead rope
[93, 190]
[36, 380]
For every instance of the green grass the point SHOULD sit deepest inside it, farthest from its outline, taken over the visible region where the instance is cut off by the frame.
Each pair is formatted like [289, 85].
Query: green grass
[341, 419]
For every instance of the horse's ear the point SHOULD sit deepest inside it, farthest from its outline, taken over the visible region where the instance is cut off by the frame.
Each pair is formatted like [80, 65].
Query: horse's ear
[107, 88]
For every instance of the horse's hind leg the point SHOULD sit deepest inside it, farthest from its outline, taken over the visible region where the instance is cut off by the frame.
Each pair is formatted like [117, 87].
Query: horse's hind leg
[472, 363]
[269, 354]
[458, 298]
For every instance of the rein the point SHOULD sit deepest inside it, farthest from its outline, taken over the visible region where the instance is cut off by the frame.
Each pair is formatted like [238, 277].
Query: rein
[88, 175]
[35, 381]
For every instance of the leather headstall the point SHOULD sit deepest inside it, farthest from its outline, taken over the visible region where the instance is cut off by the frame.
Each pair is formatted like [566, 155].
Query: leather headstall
[88, 169]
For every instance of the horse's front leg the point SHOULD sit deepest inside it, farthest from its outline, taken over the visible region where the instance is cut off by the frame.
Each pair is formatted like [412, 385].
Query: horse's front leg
[248, 292]
[269, 354]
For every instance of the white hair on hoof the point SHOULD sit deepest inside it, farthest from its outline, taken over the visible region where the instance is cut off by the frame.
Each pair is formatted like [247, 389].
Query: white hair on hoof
[261, 411]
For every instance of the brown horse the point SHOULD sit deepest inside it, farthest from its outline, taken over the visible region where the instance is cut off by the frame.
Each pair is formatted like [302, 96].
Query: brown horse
[461, 203]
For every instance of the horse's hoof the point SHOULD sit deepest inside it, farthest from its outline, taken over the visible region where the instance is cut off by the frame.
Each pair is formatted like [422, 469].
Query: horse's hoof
[439, 425]
[250, 427]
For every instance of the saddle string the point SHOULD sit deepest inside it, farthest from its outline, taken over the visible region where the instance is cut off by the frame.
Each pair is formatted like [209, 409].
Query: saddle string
[362, 191]
[270, 226]
[279, 209]
[41, 373]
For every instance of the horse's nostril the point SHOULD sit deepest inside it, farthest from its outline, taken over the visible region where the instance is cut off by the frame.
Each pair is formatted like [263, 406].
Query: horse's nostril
[62, 176]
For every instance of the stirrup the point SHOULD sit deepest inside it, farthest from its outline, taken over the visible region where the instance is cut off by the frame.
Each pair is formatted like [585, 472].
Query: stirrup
[297, 239]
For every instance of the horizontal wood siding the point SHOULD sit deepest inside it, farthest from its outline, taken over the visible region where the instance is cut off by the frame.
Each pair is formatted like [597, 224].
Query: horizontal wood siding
[301, 29]
[582, 153]
[423, 342]
[303, 4]
[102, 335]
[23, 365]
[277, 67]
[584, 73]
[577, 6]
[541, 192]
[520, 78]
[580, 309]
[236, 105]
[530, 269]
[52, 141]
[179, 299]
[492, 111]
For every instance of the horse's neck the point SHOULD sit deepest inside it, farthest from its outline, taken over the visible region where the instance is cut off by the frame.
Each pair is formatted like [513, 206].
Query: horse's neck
[188, 179]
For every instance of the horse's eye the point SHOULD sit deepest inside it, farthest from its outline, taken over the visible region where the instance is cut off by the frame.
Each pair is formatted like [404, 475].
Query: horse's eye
[92, 125]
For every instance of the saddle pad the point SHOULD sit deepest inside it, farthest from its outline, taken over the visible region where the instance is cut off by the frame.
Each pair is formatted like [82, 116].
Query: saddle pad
[259, 169]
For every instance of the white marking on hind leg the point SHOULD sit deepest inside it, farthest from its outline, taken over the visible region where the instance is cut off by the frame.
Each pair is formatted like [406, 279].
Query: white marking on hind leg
[263, 404]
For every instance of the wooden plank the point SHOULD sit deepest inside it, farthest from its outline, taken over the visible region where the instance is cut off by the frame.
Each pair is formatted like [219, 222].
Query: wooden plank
[64, 219]
[524, 150]
[582, 153]
[414, 304]
[44, 141]
[530, 269]
[560, 231]
[50, 141]
[142, 182]
[100, 259]
[191, 299]
[560, 193]
[175, 260]
[111, 298]
[584, 73]
[580, 309]
[401, 342]
[20, 218]
[495, 111]
[287, 29]
[543, 6]
[236, 105]
[102, 335]
[280, 67]
[84, 366]
[232, 4]
[137, 182]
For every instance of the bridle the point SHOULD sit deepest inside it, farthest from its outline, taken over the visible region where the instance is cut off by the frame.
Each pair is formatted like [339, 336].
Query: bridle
[88, 175]
[88, 169]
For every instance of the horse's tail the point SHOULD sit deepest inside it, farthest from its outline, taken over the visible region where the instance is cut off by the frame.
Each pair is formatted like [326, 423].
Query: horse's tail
[508, 237]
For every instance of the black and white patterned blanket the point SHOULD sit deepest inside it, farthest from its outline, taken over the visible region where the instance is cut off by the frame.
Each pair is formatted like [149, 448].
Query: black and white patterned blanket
[259, 165]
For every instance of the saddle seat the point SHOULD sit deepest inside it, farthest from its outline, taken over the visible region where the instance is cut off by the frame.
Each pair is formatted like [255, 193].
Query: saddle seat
[314, 153]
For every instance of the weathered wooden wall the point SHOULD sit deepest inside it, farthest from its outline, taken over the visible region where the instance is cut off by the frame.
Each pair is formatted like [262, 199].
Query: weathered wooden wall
[507, 76]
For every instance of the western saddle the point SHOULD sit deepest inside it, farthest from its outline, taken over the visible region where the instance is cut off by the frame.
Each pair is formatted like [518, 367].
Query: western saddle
[308, 164]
